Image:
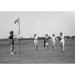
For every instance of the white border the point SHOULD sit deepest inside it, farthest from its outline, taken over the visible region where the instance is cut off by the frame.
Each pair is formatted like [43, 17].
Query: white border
[37, 5]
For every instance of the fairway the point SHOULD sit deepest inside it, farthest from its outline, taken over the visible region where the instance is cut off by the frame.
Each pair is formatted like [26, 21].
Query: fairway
[28, 54]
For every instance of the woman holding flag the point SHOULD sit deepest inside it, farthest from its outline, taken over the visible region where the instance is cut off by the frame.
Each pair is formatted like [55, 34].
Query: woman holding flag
[11, 37]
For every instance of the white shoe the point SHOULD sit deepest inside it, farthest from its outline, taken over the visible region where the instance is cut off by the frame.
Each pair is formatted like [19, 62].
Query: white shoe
[12, 53]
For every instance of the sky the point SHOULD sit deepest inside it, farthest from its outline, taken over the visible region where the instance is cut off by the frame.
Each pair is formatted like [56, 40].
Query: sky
[40, 23]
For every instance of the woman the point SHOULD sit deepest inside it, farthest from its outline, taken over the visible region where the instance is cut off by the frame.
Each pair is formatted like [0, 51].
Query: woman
[62, 41]
[36, 41]
[11, 39]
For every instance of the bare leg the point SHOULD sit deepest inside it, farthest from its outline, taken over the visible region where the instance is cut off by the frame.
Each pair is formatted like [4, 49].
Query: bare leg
[12, 47]
[36, 47]
[47, 45]
[62, 46]
[53, 45]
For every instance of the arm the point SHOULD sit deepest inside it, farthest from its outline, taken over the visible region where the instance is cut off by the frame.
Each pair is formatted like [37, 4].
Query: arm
[16, 35]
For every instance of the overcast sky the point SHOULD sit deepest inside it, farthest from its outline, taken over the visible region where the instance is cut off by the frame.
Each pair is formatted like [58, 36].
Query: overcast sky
[37, 22]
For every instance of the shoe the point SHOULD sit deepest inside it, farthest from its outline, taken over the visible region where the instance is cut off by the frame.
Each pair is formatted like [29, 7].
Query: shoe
[12, 53]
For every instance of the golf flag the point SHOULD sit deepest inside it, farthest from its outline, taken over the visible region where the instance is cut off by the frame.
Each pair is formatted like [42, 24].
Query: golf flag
[16, 21]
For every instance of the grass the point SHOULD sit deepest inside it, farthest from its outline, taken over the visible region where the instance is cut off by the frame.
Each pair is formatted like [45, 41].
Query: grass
[28, 54]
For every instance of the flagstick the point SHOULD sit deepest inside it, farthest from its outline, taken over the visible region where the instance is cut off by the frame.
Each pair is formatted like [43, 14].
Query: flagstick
[18, 21]
[19, 37]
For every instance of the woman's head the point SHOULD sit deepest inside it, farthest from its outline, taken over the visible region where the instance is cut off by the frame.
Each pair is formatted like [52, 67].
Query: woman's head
[11, 32]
